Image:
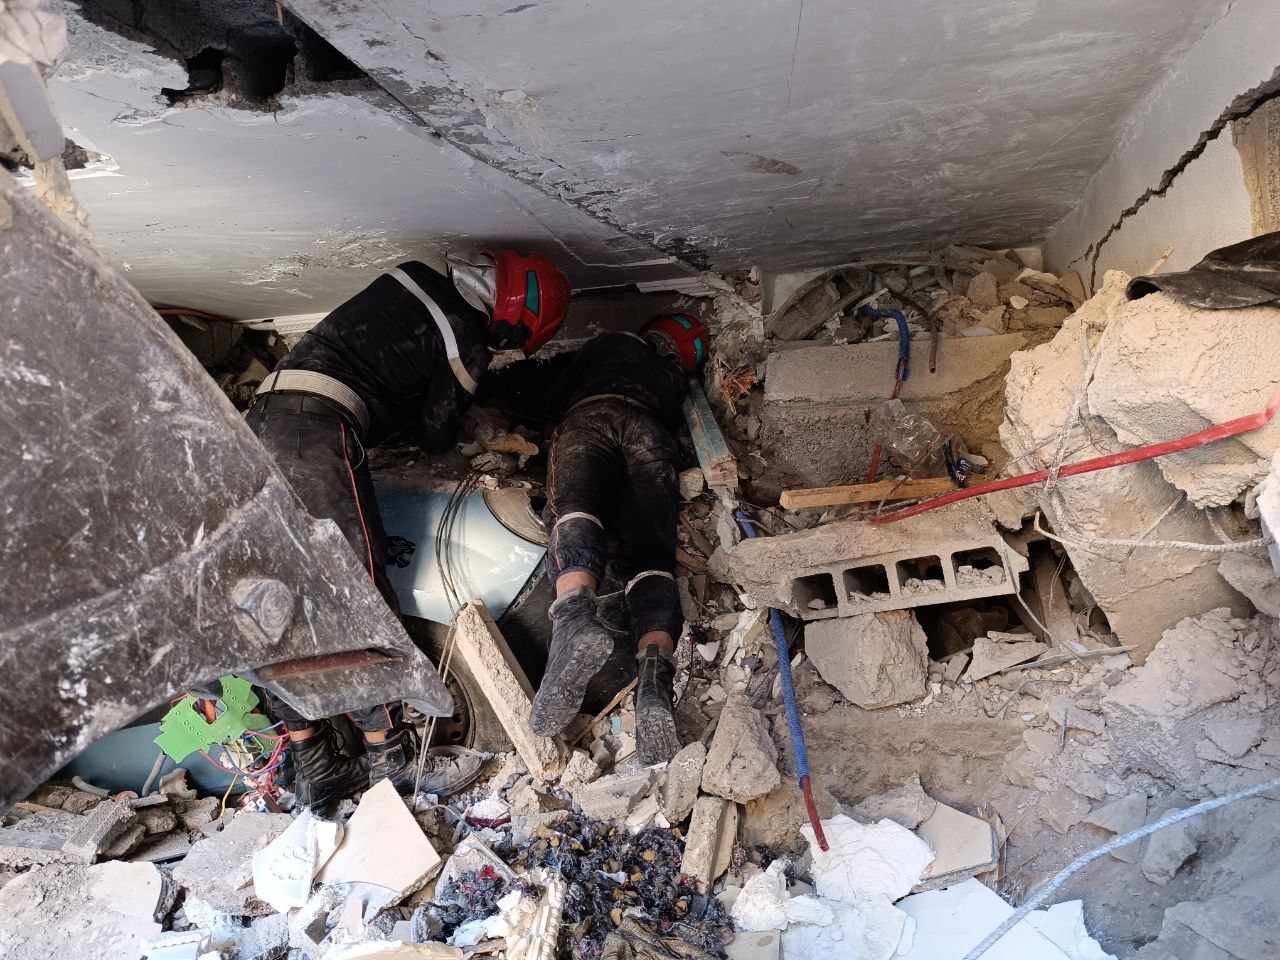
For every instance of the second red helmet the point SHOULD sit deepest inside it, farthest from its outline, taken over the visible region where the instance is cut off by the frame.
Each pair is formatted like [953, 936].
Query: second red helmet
[683, 336]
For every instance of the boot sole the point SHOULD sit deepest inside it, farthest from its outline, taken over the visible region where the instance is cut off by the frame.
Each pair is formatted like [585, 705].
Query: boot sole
[559, 699]
[656, 738]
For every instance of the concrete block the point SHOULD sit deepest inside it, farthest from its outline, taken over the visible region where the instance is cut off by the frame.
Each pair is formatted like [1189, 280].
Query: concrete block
[709, 843]
[615, 796]
[873, 659]
[491, 662]
[851, 567]
[100, 828]
[815, 393]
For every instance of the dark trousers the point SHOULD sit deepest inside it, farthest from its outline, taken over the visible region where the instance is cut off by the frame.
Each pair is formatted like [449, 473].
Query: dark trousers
[613, 468]
[321, 457]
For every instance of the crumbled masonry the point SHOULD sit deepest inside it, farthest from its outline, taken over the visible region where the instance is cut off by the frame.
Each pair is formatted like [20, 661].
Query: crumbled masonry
[985, 694]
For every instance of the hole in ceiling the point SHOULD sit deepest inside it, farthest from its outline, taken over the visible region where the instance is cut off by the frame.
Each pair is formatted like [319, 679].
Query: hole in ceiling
[204, 75]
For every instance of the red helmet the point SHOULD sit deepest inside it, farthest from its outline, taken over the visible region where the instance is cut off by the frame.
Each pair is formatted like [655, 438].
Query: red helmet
[532, 292]
[683, 336]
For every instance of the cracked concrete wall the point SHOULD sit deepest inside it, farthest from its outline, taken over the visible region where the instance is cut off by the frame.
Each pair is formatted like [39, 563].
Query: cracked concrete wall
[1175, 179]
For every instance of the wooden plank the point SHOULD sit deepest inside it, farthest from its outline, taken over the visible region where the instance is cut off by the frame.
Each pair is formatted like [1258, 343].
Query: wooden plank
[814, 497]
[690, 562]
[485, 651]
[718, 463]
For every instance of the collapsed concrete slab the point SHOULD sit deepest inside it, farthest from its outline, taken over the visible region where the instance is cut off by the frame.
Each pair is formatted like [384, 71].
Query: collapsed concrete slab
[852, 567]
[816, 393]
[1142, 591]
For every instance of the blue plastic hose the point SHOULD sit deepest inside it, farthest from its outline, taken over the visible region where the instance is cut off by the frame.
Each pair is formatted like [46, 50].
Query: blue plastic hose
[798, 747]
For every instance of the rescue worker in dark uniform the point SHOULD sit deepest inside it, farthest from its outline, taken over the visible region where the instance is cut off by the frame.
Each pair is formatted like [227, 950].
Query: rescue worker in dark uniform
[398, 361]
[613, 468]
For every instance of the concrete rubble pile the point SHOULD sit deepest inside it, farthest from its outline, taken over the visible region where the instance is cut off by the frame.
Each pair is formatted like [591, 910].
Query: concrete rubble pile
[833, 352]
[986, 695]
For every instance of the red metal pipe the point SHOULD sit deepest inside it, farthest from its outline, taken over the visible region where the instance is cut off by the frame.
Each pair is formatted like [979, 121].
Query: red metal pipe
[1222, 431]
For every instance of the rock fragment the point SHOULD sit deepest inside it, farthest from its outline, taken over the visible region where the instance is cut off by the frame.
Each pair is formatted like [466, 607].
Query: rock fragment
[684, 775]
[906, 804]
[873, 659]
[993, 654]
[1168, 849]
[743, 760]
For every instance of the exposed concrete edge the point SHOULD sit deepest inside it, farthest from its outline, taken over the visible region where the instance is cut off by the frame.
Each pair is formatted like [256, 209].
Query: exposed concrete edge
[1172, 126]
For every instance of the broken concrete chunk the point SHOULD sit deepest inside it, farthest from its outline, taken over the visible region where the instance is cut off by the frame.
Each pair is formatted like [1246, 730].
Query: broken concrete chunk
[219, 869]
[175, 945]
[1235, 736]
[1242, 923]
[1122, 816]
[874, 660]
[580, 770]
[69, 910]
[983, 291]
[614, 796]
[743, 760]
[692, 482]
[684, 776]
[1087, 784]
[1255, 578]
[906, 804]
[104, 824]
[1063, 809]
[1168, 849]
[963, 847]
[709, 843]
[991, 656]
[1064, 712]
[485, 651]
[383, 845]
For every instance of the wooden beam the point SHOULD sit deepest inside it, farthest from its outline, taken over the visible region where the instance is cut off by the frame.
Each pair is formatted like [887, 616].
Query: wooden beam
[815, 497]
[485, 651]
[718, 463]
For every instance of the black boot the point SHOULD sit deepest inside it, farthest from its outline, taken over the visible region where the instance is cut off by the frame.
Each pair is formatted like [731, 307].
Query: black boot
[323, 777]
[580, 645]
[656, 737]
[392, 759]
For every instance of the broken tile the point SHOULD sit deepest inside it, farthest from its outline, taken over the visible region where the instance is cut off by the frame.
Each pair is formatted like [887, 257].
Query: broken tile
[963, 847]
[382, 845]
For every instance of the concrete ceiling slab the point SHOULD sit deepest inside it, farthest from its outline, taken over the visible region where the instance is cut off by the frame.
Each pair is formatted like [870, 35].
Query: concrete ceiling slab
[251, 214]
[782, 133]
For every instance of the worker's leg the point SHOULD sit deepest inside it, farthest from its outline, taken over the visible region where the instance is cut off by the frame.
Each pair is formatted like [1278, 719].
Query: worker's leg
[646, 561]
[583, 472]
[326, 467]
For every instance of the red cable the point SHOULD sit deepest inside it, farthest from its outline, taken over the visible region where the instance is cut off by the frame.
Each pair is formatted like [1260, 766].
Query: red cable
[342, 428]
[1213, 434]
[875, 454]
[819, 837]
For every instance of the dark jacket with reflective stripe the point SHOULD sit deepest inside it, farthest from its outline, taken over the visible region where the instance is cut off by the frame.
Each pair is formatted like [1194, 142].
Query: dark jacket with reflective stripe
[384, 345]
[627, 365]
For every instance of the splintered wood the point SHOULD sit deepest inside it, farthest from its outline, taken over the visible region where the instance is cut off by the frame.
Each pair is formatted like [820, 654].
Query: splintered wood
[483, 649]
